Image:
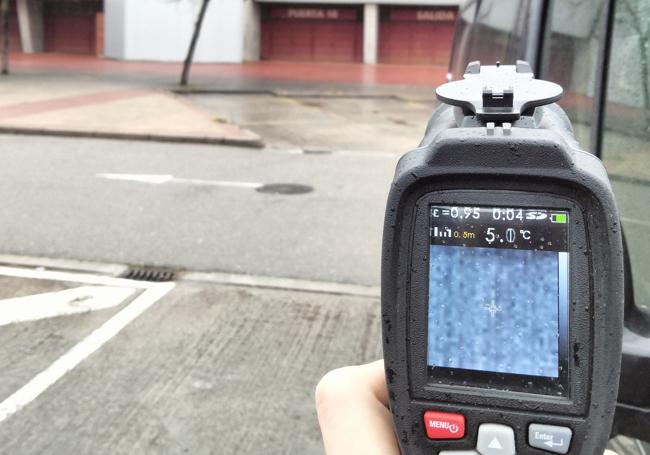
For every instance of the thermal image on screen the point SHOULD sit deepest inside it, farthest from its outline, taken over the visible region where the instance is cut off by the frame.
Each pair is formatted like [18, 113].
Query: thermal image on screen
[498, 285]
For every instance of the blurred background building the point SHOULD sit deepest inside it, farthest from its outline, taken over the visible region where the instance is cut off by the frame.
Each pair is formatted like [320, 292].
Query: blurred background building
[385, 31]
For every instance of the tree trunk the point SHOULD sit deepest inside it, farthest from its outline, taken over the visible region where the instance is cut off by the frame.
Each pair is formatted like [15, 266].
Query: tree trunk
[195, 37]
[4, 13]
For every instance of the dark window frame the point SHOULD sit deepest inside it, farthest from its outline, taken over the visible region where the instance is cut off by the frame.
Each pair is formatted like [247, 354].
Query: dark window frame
[602, 64]
[634, 317]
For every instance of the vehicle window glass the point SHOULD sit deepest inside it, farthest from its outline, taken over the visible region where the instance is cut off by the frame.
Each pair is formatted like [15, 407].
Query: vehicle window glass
[626, 140]
[573, 58]
[493, 33]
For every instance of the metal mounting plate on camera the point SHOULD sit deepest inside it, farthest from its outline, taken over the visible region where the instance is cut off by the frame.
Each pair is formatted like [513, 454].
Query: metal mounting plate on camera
[499, 93]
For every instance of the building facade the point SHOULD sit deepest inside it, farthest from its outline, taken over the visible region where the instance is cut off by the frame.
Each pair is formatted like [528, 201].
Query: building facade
[386, 31]
[344, 32]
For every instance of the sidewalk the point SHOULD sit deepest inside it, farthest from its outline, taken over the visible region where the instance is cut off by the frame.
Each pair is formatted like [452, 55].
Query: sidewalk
[249, 75]
[83, 96]
[93, 109]
[52, 103]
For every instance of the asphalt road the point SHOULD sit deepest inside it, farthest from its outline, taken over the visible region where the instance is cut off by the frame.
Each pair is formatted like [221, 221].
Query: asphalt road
[60, 206]
[57, 205]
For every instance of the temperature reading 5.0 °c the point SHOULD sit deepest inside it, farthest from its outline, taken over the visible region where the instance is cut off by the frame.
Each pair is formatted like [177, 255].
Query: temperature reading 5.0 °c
[510, 235]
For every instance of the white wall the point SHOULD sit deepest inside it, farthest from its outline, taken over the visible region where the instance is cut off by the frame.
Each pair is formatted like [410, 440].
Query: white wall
[161, 30]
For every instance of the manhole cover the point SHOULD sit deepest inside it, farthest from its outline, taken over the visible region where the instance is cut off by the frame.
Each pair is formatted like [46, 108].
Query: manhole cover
[285, 188]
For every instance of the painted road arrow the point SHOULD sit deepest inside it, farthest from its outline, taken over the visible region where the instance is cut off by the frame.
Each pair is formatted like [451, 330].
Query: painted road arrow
[159, 179]
[61, 303]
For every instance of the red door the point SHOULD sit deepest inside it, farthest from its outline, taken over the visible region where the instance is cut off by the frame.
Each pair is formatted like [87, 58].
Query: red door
[312, 34]
[70, 34]
[15, 42]
[416, 36]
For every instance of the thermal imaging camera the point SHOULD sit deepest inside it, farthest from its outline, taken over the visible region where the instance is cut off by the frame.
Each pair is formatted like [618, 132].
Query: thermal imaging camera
[502, 277]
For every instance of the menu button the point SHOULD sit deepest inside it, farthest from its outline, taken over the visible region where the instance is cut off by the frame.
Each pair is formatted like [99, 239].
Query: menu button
[444, 425]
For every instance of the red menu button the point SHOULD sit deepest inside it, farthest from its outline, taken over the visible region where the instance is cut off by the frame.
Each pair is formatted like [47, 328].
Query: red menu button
[444, 425]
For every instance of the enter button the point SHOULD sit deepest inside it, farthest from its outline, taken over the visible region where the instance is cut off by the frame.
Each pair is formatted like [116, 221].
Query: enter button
[549, 437]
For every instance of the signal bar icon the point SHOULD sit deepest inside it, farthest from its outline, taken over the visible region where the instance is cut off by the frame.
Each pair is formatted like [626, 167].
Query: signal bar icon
[444, 233]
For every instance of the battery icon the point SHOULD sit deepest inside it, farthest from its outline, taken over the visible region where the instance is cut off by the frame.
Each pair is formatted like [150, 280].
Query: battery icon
[559, 218]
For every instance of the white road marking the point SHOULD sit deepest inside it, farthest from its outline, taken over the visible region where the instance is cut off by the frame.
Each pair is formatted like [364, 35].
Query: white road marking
[252, 185]
[158, 179]
[61, 303]
[30, 391]
[84, 278]
[155, 179]
[99, 268]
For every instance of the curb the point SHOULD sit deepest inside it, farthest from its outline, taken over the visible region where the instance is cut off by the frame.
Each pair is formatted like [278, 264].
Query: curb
[325, 94]
[282, 283]
[249, 143]
[114, 270]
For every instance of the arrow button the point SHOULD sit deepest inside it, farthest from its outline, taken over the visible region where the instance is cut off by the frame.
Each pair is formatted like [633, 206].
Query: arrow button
[495, 439]
[495, 444]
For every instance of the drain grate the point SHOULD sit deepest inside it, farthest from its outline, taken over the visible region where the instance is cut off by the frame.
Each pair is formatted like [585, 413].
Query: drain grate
[285, 188]
[144, 273]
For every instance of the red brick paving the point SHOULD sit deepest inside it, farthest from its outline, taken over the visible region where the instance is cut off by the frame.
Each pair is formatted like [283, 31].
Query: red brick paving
[36, 107]
[281, 71]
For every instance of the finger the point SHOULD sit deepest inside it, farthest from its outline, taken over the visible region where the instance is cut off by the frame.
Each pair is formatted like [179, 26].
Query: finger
[352, 412]
[376, 379]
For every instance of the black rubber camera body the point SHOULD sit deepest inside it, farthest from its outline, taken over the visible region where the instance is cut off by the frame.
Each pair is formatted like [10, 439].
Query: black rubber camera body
[502, 277]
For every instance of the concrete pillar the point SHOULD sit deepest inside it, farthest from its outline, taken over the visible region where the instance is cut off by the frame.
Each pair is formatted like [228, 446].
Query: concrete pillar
[115, 29]
[252, 30]
[30, 23]
[370, 33]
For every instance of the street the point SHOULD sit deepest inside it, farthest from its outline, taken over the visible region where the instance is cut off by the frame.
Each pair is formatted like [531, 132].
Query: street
[274, 251]
[272, 289]
[61, 205]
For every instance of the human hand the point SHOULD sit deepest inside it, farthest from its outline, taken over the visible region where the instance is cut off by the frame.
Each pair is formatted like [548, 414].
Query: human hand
[352, 405]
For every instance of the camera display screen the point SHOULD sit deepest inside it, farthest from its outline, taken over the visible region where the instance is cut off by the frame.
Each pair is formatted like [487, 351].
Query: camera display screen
[498, 292]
